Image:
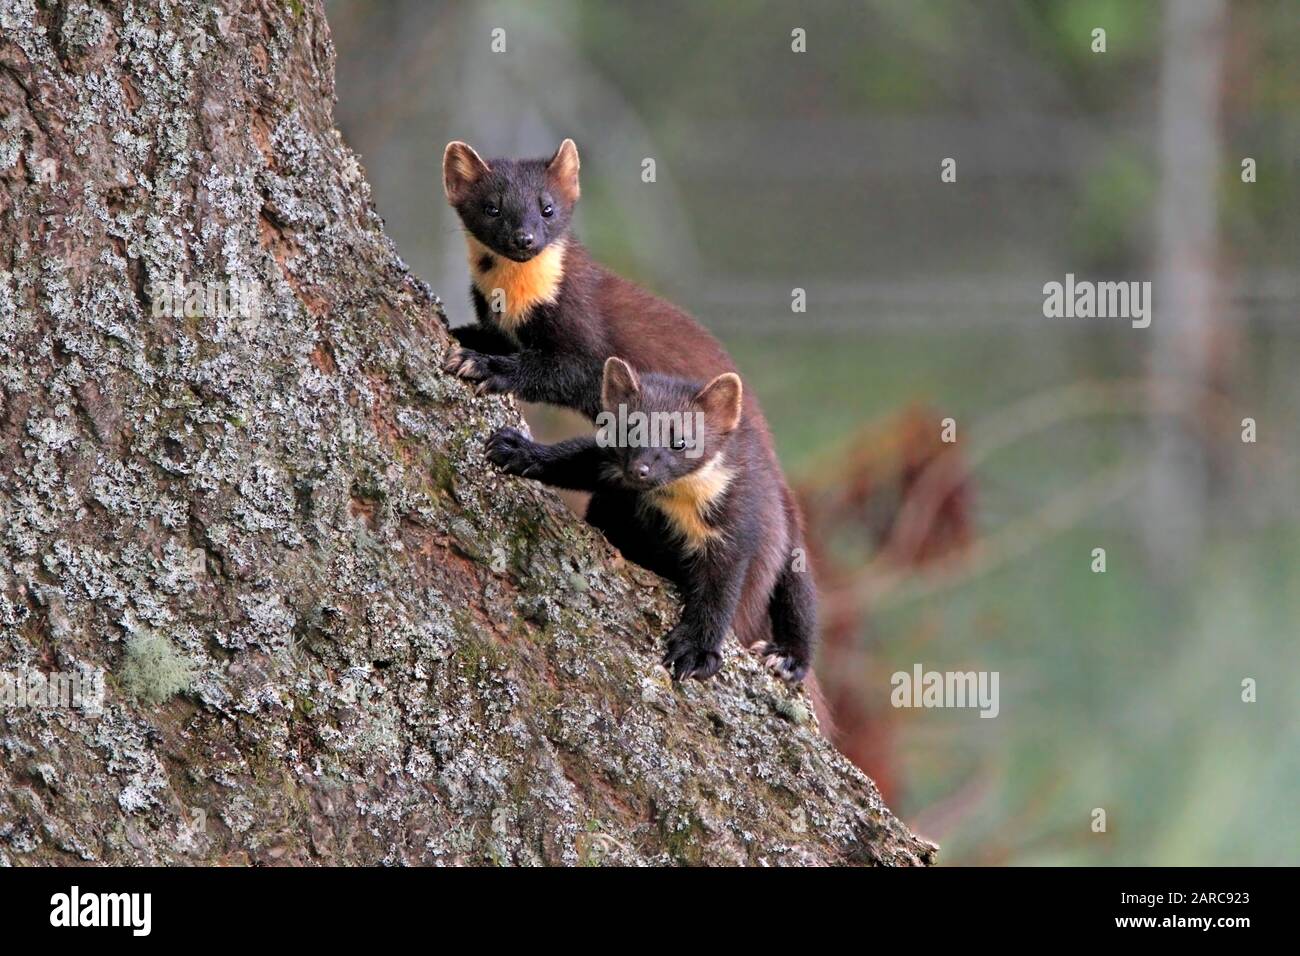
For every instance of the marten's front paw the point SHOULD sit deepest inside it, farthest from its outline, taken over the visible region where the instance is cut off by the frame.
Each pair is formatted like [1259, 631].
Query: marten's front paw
[463, 363]
[511, 451]
[791, 665]
[489, 373]
[687, 657]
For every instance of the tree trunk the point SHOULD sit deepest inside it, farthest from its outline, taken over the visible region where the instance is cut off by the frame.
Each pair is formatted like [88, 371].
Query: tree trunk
[1185, 365]
[328, 632]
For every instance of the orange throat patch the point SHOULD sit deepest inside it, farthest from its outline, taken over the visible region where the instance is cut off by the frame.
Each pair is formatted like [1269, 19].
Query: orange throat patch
[512, 289]
[686, 501]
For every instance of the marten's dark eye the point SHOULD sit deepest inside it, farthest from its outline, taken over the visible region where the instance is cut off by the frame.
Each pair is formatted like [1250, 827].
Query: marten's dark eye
[548, 210]
[492, 209]
[679, 444]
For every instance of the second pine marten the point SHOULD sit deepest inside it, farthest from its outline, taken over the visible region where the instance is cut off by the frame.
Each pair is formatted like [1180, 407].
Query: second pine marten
[695, 495]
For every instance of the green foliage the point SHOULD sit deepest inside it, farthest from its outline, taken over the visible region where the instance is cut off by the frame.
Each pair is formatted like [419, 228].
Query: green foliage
[1119, 690]
[1116, 200]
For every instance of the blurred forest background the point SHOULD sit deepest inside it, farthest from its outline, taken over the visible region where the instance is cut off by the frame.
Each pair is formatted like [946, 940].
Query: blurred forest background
[820, 170]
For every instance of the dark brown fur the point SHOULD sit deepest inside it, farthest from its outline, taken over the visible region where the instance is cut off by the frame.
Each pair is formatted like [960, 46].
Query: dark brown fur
[555, 350]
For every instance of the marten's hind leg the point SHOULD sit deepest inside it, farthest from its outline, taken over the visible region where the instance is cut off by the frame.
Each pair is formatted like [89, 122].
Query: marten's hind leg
[793, 610]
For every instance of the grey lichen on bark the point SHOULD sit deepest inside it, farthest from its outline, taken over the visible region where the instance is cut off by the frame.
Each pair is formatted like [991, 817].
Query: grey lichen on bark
[330, 634]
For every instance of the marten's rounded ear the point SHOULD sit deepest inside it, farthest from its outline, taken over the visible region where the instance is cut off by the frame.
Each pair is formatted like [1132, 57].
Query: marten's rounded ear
[620, 387]
[461, 169]
[562, 171]
[720, 401]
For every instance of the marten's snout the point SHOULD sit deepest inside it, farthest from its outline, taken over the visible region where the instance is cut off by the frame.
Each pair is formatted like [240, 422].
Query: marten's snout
[523, 240]
[640, 470]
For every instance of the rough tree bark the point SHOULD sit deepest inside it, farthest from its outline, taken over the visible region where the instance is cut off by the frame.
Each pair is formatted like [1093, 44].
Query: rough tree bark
[329, 633]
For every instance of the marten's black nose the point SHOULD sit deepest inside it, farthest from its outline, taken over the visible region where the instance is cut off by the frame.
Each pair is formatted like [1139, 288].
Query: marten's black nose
[642, 470]
[523, 240]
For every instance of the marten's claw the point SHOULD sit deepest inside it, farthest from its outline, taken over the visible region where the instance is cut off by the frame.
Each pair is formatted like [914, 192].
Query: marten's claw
[463, 363]
[451, 364]
[788, 669]
[489, 374]
[791, 668]
[511, 451]
[686, 658]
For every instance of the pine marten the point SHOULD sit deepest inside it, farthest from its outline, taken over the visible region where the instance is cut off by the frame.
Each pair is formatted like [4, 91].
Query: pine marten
[699, 501]
[549, 318]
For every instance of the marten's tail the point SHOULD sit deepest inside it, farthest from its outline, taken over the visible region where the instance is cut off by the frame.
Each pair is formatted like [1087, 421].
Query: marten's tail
[821, 707]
